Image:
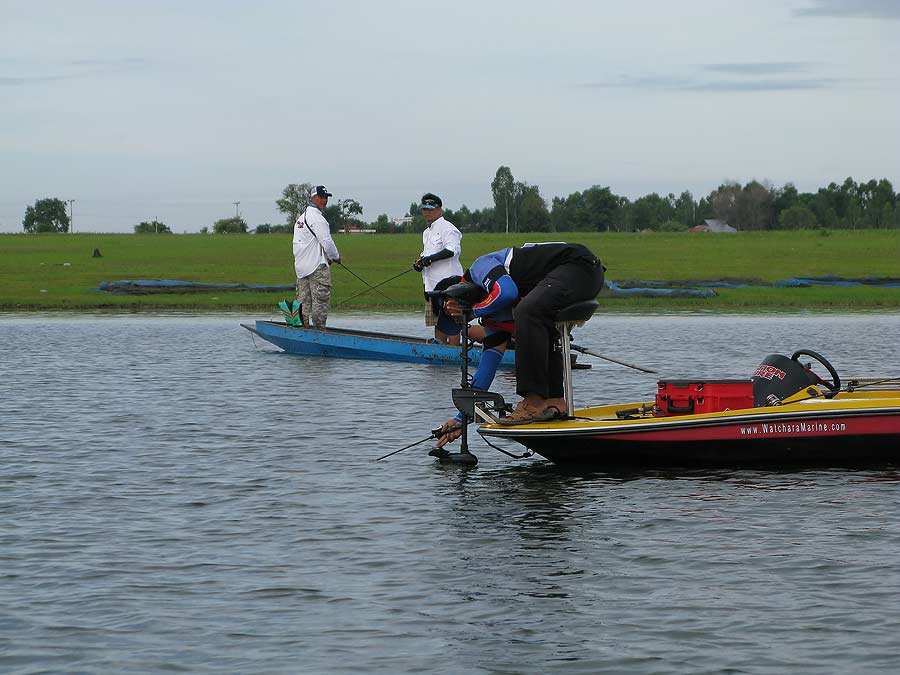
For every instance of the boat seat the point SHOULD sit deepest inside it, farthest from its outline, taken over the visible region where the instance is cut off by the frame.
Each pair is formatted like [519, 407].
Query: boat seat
[566, 319]
[577, 313]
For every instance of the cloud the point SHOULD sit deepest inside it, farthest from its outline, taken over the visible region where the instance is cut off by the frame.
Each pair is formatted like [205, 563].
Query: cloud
[729, 77]
[869, 9]
[770, 68]
[21, 81]
[73, 70]
[763, 85]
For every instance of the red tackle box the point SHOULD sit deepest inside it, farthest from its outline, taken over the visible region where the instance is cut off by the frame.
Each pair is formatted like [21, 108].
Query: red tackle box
[686, 397]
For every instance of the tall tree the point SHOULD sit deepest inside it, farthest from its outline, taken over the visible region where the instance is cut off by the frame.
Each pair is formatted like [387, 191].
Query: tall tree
[650, 211]
[503, 190]
[686, 209]
[348, 208]
[47, 215]
[754, 208]
[294, 200]
[534, 214]
[602, 208]
[723, 201]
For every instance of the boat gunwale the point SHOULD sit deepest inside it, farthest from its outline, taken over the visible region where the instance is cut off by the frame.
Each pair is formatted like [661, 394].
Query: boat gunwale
[610, 426]
[352, 332]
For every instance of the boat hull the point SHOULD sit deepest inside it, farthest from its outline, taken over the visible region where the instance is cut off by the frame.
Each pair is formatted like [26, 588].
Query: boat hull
[363, 345]
[821, 433]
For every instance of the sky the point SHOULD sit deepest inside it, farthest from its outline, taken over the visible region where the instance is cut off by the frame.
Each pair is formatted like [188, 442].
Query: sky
[175, 110]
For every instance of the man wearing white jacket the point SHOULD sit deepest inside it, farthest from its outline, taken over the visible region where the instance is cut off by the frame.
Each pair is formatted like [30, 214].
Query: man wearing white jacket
[441, 246]
[314, 251]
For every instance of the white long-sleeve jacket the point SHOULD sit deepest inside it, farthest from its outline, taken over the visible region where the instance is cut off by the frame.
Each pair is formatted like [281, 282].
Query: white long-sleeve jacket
[436, 237]
[312, 243]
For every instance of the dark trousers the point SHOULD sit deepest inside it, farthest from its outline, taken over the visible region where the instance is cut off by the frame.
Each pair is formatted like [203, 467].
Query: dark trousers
[539, 368]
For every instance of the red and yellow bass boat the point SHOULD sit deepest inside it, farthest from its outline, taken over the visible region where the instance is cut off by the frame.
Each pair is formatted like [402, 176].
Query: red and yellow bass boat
[783, 415]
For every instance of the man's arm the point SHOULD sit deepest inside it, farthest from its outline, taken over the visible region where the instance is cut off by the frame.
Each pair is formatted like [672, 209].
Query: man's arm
[503, 293]
[426, 260]
[323, 233]
[451, 240]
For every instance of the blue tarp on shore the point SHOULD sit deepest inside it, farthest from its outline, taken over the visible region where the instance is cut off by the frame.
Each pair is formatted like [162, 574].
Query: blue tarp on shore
[881, 282]
[147, 286]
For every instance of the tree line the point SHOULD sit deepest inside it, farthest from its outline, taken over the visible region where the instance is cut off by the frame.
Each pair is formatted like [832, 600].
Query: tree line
[519, 207]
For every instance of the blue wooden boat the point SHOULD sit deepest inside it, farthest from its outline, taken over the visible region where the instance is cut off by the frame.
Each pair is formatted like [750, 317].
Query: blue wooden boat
[348, 343]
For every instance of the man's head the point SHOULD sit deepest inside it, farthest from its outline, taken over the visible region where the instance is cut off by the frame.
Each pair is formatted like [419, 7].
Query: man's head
[461, 289]
[319, 196]
[432, 207]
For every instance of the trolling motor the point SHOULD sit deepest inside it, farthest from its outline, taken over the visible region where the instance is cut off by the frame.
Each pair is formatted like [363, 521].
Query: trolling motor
[465, 398]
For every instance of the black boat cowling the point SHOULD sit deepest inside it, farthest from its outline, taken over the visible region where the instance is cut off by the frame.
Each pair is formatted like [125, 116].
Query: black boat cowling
[778, 377]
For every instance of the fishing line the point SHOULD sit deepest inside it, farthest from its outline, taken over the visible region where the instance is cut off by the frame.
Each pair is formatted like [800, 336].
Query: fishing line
[372, 287]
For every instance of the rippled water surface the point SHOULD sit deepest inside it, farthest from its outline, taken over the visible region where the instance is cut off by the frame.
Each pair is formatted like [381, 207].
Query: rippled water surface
[177, 498]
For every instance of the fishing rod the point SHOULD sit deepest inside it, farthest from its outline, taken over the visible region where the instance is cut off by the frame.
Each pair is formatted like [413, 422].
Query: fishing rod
[435, 433]
[371, 288]
[609, 358]
[859, 383]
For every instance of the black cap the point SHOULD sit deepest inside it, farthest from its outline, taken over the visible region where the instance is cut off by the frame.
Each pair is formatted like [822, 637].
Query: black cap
[319, 191]
[431, 201]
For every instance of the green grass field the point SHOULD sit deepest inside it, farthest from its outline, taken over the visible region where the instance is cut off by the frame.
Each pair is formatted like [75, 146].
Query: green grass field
[34, 274]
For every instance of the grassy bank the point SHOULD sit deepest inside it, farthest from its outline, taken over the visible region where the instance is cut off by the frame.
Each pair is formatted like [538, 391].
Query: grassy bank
[59, 272]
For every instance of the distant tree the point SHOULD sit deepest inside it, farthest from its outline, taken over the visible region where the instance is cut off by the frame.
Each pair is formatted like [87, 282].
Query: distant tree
[755, 208]
[383, 224]
[47, 215]
[294, 200]
[268, 228]
[686, 209]
[347, 209]
[234, 225]
[604, 208]
[461, 218]
[569, 214]
[797, 218]
[152, 227]
[723, 201]
[535, 217]
[888, 216]
[783, 199]
[418, 223]
[482, 218]
[649, 212]
[503, 190]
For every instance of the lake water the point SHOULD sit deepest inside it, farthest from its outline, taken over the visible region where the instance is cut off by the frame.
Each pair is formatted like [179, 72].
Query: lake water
[176, 497]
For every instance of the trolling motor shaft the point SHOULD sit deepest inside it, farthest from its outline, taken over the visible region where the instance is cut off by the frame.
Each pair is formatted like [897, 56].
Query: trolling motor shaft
[464, 294]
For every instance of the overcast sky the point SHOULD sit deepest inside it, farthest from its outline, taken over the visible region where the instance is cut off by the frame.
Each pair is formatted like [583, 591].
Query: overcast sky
[177, 109]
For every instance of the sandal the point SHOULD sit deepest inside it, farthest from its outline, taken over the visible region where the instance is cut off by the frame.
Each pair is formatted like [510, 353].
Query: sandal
[548, 414]
[526, 414]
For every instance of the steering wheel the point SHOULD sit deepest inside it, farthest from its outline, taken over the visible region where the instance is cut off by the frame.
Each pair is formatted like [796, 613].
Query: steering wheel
[835, 385]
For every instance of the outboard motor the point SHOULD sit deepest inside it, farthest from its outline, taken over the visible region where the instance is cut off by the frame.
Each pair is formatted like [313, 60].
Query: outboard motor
[779, 377]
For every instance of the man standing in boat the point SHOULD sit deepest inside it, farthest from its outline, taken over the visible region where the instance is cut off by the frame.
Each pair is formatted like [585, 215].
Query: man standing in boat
[314, 251]
[441, 246]
[535, 282]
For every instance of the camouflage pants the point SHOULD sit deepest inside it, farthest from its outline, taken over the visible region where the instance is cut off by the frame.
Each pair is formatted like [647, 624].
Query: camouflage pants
[314, 293]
